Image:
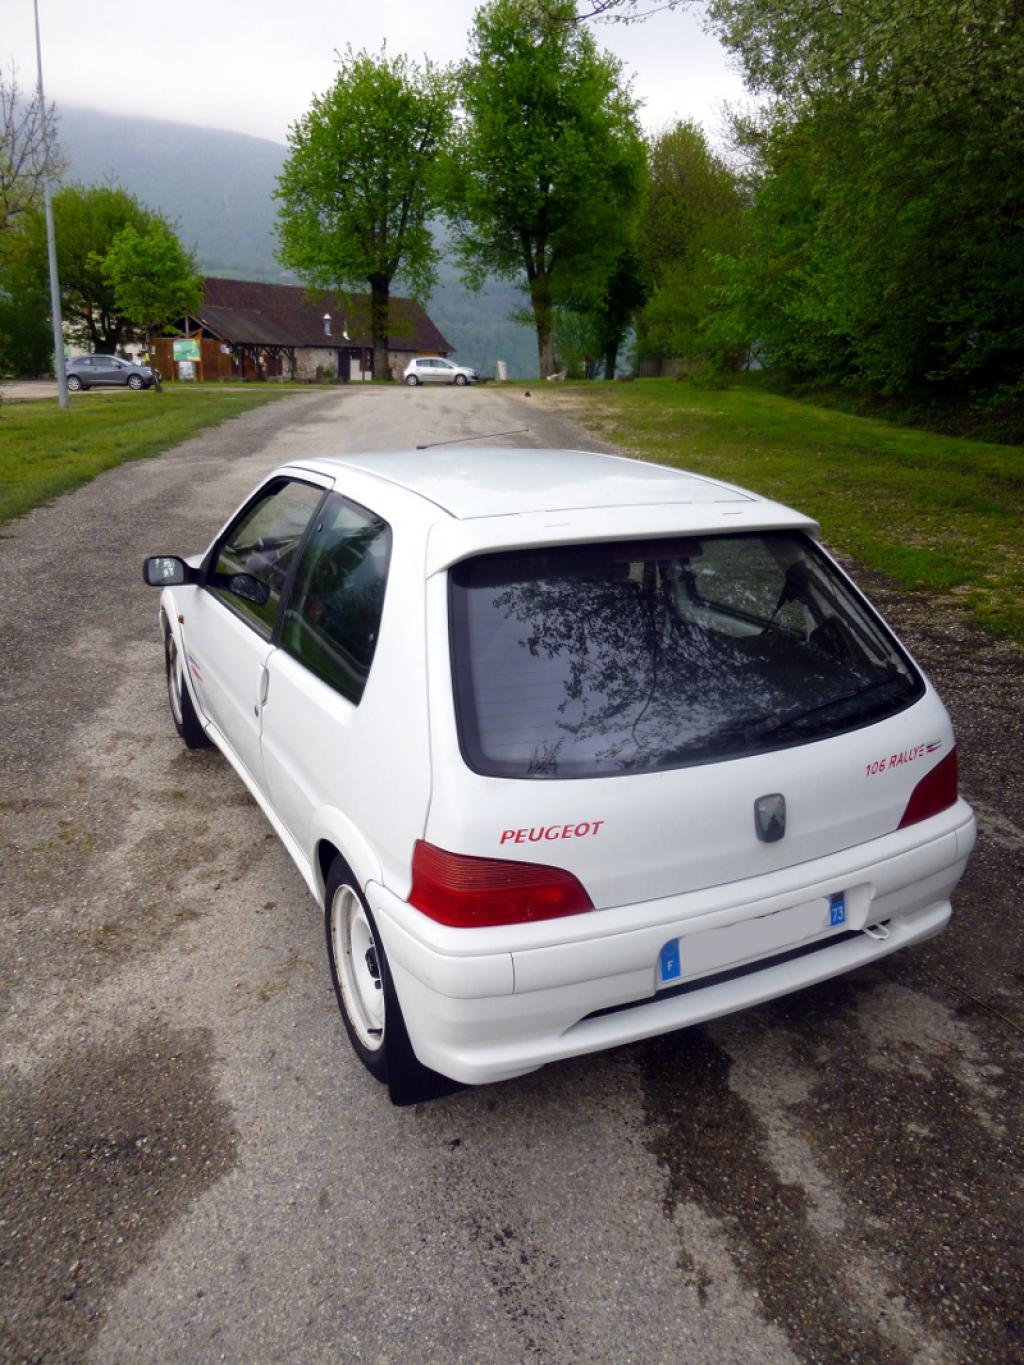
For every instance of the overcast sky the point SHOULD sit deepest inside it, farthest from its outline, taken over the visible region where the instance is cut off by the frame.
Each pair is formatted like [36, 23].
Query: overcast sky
[252, 65]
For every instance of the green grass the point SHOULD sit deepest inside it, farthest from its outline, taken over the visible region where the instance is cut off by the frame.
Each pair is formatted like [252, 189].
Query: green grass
[935, 512]
[44, 451]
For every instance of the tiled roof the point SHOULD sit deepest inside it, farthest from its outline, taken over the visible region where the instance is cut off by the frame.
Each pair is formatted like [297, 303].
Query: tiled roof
[248, 312]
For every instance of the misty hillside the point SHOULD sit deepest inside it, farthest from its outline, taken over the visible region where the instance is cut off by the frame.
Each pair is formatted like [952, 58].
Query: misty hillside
[218, 187]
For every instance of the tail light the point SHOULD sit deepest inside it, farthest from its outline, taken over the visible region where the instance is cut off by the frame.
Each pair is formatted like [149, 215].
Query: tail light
[936, 791]
[472, 893]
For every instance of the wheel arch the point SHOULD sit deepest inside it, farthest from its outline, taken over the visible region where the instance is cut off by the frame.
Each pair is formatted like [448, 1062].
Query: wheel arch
[336, 836]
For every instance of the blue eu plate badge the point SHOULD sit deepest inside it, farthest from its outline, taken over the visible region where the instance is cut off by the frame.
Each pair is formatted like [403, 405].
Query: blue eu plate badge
[670, 966]
[836, 910]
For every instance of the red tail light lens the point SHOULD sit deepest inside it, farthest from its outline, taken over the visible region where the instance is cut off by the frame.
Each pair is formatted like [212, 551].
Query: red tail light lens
[472, 893]
[936, 791]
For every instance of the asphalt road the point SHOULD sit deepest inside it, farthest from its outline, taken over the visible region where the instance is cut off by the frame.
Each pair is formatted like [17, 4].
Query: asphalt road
[194, 1167]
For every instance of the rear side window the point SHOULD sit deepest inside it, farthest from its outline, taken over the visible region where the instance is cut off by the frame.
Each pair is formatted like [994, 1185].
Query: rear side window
[634, 657]
[332, 620]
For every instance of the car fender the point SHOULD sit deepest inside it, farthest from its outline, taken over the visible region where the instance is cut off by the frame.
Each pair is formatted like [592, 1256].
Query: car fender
[329, 825]
[170, 613]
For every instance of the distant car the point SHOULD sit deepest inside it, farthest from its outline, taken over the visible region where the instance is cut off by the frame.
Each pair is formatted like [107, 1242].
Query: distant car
[572, 750]
[91, 371]
[431, 369]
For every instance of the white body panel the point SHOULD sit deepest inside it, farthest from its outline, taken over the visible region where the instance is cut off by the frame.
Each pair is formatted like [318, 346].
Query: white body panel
[665, 857]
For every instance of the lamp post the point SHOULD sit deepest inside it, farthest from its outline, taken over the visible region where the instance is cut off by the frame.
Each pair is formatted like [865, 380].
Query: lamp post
[51, 241]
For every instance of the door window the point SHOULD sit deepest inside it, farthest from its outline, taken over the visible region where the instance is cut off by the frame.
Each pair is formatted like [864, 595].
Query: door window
[258, 550]
[333, 617]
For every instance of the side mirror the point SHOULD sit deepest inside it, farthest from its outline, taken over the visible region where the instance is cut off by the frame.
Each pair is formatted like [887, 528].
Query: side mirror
[166, 571]
[249, 589]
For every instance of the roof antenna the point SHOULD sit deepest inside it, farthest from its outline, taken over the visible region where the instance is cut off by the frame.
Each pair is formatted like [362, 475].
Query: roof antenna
[490, 436]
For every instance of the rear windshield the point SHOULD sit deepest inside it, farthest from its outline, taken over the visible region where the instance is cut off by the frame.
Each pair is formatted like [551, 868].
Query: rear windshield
[588, 661]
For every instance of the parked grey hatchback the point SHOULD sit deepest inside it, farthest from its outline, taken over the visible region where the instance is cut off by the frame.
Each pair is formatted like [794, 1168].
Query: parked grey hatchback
[89, 371]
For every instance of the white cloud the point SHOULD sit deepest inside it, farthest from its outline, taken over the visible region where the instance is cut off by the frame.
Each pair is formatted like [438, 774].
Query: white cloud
[254, 66]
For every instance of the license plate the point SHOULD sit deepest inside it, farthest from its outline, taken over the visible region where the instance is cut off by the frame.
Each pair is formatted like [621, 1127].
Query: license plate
[711, 950]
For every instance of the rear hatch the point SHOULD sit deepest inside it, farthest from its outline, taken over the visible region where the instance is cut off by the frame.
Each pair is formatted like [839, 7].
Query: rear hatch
[632, 711]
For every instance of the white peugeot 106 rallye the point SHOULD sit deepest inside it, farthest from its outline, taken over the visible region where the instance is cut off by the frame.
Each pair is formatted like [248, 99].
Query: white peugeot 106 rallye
[573, 750]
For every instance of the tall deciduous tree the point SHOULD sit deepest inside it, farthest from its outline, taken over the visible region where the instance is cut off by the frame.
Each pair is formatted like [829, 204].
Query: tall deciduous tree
[550, 158]
[29, 152]
[691, 214]
[361, 183]
[887, 239]
[154, 278]
[89, 220]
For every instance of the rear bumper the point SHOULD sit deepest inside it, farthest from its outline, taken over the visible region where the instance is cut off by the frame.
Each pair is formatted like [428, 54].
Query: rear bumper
[510, 1008]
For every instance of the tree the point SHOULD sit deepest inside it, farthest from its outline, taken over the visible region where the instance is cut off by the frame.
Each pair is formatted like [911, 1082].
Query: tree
[88, 221]
[596, 326]
[691, 215]
[29, 153]
[360, 183]
[153, 277]
[887, 235]
[550, 158]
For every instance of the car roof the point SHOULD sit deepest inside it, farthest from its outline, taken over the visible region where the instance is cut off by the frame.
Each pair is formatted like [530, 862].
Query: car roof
[488, 482]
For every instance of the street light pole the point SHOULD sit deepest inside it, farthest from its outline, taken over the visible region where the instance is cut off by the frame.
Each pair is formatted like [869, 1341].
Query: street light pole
[51, 241]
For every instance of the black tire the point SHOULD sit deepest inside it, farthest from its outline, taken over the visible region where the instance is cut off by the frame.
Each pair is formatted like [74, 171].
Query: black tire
[412, 381]
[461, 380]
[366, 995]
[135, 381]
[74, 383]
[179, 698]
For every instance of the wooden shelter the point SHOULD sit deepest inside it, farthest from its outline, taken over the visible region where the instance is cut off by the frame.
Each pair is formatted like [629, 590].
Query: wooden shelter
[250, 330]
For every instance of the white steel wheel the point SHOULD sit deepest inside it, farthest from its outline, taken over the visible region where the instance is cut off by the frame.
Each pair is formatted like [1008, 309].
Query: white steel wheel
[356, 957]
[411, 380]
[366, 993]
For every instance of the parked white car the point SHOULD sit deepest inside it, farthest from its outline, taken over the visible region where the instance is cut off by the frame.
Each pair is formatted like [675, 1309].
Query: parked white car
[572, 749]
[432, 369]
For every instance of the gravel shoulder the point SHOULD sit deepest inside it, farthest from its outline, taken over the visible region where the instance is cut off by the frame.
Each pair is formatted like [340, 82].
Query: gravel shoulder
[193, 1165]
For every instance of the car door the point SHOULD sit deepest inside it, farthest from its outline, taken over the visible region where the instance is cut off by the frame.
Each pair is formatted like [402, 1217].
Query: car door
[315, 680]
[229, 627]
[105, 370]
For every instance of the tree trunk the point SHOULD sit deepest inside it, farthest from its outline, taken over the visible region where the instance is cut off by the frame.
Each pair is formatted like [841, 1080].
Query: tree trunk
[610, 356]
[380, 294]
[540, 298]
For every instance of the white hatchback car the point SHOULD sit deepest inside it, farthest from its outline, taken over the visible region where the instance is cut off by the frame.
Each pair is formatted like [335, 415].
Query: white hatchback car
[573, 750]
[430, 369]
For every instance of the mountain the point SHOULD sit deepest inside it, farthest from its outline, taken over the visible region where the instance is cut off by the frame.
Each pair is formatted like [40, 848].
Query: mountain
[218, 186]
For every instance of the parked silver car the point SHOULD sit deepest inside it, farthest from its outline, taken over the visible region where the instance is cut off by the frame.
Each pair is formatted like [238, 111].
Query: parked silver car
[431, 369]
[88, 371]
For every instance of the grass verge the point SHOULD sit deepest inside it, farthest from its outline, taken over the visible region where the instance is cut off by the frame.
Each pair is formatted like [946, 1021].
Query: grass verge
[44, 451]
[935, 512]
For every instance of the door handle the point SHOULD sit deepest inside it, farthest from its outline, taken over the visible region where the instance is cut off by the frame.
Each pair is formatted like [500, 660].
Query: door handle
[263, 692]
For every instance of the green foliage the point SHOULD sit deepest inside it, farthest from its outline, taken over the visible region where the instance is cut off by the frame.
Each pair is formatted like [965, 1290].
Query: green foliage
[88, 221]
[691, 217]
[153, 277]
[549, 159]
[887, 235]
[883, 494]
[360, 183]
[26, 337]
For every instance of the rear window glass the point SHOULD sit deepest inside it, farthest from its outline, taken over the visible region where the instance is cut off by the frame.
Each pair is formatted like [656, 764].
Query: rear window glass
[585, 661]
